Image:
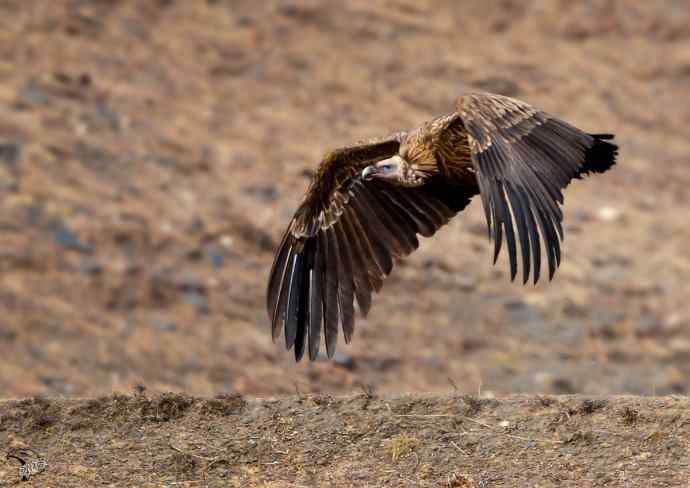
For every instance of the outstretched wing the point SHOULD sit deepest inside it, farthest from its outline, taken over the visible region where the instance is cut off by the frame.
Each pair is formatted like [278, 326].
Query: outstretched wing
[523, 158]
[343, 241]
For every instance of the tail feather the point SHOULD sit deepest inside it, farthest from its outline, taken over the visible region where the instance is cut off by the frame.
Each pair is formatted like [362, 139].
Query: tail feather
[600, 156]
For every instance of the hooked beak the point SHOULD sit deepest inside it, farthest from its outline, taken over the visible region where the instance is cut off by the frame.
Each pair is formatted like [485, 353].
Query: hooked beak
[369, 172]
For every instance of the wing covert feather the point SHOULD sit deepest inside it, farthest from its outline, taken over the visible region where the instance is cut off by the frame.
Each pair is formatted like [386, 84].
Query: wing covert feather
[523, 159]
[339, 248]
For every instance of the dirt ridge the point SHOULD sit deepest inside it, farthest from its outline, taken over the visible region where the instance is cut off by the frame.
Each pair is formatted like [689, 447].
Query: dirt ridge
[320, 440]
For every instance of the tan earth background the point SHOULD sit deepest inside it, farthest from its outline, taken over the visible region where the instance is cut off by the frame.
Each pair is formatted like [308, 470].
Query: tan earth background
[152, 153]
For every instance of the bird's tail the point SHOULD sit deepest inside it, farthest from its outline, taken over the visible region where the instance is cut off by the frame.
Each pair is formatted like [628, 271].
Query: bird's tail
[600, 156]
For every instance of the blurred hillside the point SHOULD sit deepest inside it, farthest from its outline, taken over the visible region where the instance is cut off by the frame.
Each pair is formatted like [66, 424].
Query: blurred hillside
[152, 153]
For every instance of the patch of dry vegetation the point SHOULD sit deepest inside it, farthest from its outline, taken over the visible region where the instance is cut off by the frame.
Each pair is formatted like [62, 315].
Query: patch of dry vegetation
[400, 446]
[404, 441]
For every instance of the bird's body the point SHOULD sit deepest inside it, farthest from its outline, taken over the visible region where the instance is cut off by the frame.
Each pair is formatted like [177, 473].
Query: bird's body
[367, 203]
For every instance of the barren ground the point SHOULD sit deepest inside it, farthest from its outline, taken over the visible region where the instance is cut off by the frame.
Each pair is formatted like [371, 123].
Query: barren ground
[456, 441]
[152, 153]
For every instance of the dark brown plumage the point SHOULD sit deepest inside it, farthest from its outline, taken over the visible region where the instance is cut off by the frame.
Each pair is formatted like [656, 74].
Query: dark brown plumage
[367, 203]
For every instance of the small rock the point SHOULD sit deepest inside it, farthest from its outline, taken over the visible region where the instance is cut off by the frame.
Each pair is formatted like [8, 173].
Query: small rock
[9, 154]
[294, 11]
[84, 79]
[647, 202]
[641, 288]
[198, 300]
[519, 311]
[217, 260]
[620, 354]
[164, 161]
[466, 283]
[473, 344]
[196, 225]
[604, 324]
[648, 326]
[265, 193]
[256, 235]
[31, 95]
[90, 267]
[93, 157]
[226, 241]
[164, 325]
[608, 214]
[578, 216]
[33, 213]
[195, 254]
[675, 322]
[215, 255]
[69, 240]
[8, 335]
[590, 406]
[563, 386]
[611, 260]
[431, 362]
[244, 159]
[572, 309]
[250, 264]
[383, 364]
[344, 360]
[57, 384]
[108, 115]
[245, 21]
[478, 229]
[298, 63]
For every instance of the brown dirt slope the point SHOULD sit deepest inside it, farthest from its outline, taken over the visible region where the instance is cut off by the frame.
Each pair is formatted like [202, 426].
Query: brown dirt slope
[443, 441]
[151, 154]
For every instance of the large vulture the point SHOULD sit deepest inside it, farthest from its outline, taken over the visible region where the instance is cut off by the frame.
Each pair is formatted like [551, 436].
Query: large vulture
[367, 203]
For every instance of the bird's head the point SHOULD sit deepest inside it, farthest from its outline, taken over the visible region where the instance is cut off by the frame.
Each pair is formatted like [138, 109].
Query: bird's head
[394, 170]
[391, 169]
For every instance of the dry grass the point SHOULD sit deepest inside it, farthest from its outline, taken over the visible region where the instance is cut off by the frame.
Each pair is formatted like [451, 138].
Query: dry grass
[400, 446]
[296, 442]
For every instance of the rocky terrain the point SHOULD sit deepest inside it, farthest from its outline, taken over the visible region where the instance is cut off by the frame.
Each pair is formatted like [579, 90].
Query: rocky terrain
[152, 153]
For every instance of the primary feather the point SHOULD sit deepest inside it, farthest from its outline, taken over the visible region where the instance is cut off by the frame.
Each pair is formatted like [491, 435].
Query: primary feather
[367, 203]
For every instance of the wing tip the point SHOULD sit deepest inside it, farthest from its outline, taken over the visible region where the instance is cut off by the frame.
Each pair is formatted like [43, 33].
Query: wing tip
[293, 312]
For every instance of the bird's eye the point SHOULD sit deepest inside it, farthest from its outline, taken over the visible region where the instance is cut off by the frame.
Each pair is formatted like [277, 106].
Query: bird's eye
[387, 167]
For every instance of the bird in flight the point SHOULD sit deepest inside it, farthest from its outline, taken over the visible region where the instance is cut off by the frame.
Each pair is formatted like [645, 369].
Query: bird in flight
[367, 202]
